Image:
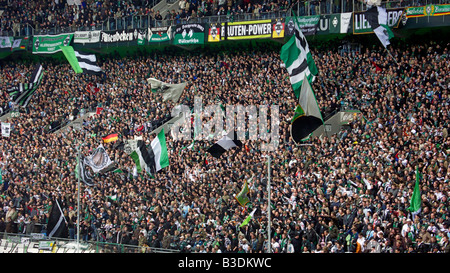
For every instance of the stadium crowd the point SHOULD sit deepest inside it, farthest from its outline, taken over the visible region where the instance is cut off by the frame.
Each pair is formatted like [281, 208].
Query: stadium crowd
[347, 192]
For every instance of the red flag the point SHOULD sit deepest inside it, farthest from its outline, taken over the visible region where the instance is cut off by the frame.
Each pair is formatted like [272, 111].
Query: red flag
[377, 68]
[91, 89]
[99, 110]
[247, 148]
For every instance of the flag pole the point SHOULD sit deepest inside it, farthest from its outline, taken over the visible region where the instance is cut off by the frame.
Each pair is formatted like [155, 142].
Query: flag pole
[268, 205]
[78, 190]
[389, 52]
[78, 199]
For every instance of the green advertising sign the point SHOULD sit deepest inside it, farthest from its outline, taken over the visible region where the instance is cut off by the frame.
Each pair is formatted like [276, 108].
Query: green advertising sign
[428, 10]
[441, 10]
[415, 12]
[49, 44]
[189, 34]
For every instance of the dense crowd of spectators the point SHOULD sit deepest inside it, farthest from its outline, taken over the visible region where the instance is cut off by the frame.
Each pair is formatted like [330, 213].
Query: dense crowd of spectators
[19, 18]
[347, 192]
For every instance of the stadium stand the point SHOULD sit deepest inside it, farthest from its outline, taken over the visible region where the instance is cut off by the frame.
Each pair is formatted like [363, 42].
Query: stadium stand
[346, 192]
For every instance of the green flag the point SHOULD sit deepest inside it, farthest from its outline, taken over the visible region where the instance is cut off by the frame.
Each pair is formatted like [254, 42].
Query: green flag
[152, 158]
[247, 220]
[1, 177]
[307, 117]
[298, 60]
[242, 197]
[69, 52]
[113, 197]
[416, 199]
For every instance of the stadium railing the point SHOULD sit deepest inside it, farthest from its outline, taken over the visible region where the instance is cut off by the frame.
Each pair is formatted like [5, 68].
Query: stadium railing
[40, 243]
[302, 8]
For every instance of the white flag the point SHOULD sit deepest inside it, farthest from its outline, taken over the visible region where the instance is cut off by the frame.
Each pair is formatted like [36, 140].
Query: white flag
[6, 129]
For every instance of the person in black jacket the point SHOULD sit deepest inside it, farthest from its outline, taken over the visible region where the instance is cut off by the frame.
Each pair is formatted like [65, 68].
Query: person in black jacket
[155, 242]
[297, 241]
[311, 238]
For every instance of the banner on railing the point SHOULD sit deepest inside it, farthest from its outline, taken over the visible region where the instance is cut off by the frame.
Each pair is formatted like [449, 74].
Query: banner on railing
[189, 34]
[49, 44]
[6, 42]
[142, 36]
[308, 24]
[247, 30]
[159, 34]
[243, 30]
[334, 23]
[361, 25]
[428, 10]
[278, 28]
[86, 37]
[20, 43]
[214, 32]
[119, 36]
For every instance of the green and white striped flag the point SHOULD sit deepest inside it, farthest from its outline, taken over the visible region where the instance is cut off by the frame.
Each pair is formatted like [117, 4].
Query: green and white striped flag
[307, 117]
[113, 197]
[159, 149]
[81, 62]
[298, 60]
[377, 17]
[152, 158]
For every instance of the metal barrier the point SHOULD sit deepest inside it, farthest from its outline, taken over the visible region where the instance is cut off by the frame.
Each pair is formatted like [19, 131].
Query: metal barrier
[39, 243]
[301, 8]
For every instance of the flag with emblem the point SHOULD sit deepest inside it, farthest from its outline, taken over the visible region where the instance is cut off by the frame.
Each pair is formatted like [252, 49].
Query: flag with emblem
[242, 196]
[99, 159]
[377, 18]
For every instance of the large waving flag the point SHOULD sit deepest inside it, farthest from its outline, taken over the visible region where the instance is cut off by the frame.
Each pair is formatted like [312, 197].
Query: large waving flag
[81, 62]
[57, 224]
[83, 173]
[99, 159]
[22, 93]
[169, 91]
[307, 117]
[151, 159]
[377, 18]
[224, 144]
[298, 60]
[138, 152]
[158, 151]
